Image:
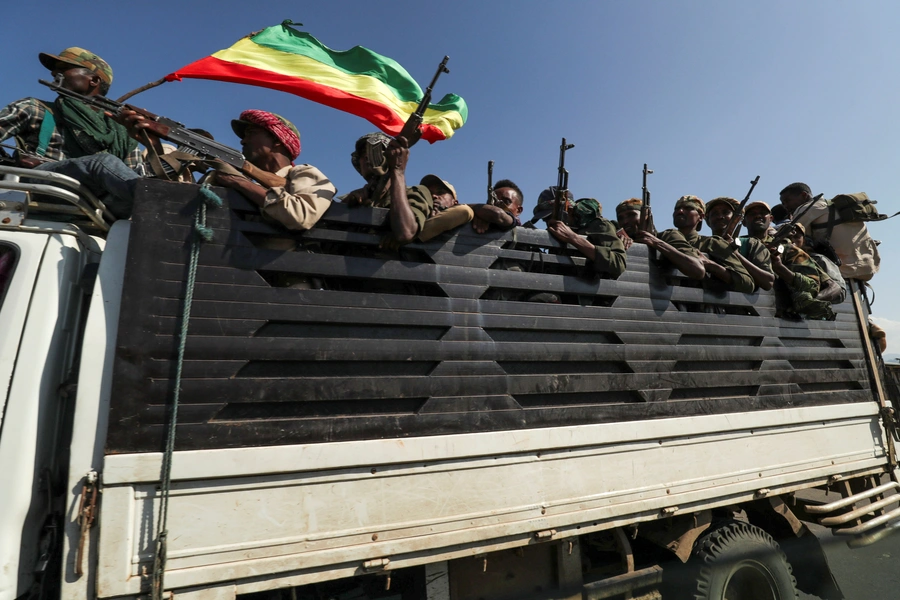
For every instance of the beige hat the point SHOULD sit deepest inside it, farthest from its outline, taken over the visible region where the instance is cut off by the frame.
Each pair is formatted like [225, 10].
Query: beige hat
[437, 181]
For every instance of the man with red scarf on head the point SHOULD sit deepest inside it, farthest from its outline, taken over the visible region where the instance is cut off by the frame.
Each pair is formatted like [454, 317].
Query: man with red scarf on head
[271, 143]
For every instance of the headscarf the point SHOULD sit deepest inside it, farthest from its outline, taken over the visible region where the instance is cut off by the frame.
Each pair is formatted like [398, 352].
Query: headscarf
[283, 130]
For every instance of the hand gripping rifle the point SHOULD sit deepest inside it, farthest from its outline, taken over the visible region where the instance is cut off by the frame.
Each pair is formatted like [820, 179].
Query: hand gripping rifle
[561, 206]
[173, 131]
[411, 130]
[785, 230]
[491, 196]
[734, 226]
[646, 223]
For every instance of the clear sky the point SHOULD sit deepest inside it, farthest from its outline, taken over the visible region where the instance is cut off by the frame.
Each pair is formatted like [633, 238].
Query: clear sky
[709, 93]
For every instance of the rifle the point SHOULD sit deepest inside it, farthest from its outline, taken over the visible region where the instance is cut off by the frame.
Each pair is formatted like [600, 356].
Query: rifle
[785, 230]
[21, 158]
[646, 218]
[734, 226]
[410, 129]
[173, 131]
[491, 196]
[561, 206]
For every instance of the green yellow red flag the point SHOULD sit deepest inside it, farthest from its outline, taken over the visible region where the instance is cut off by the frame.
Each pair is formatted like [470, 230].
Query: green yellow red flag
[357, 80]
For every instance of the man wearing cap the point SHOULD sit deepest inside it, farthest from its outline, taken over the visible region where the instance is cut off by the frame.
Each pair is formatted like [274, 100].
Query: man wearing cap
[447, 213]
[752, 253]
[375, 155]
[601, 246]
[628, 216]
[673, 245]
[810, 289]
[88, 145]
[272, 143]
[851, 241]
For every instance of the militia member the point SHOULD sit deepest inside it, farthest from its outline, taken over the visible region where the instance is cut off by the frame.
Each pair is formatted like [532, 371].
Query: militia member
[752, 253]
[504, 214]
[628, 215]
[79, 140]
[851, 242]
[377, 154]
[600, 245]
[674, 245]
[447, 213]
[272, 143]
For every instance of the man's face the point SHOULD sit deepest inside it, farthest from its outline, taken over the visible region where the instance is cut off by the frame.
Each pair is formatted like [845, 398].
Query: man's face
[686, 218]
[792, 199]
[76, 79]
[509, 200]
[797, 237]
[257, 144]
[718, 218]
[442, 197]
[757, 221]
[629, 220]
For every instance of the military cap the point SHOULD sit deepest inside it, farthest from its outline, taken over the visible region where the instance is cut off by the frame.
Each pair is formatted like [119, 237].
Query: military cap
[757, 204]
[80, 58]
[437, 181]
[691, 202]
[797, 187]
[722, 200]
[546, 197]
[800, 227]
[630, 204]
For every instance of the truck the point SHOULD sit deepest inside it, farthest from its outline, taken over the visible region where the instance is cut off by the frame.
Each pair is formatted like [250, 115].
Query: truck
[199, 404]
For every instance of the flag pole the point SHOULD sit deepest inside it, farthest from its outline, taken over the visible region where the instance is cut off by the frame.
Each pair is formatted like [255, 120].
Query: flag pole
[143, 88]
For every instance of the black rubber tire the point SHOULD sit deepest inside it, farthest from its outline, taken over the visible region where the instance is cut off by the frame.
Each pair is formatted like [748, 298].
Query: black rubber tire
[739, 561]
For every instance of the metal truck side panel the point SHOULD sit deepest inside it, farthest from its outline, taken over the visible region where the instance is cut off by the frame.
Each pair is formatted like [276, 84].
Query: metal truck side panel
[330, 507]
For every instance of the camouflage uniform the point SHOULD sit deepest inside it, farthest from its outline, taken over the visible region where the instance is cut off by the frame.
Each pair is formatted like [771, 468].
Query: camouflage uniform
[586, 219]
[694, 244]
[807, 281]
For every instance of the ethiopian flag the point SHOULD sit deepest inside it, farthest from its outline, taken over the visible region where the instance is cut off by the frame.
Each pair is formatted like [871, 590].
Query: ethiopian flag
[357, 80]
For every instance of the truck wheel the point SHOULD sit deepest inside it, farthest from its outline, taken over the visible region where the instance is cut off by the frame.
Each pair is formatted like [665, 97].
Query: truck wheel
[738, 561]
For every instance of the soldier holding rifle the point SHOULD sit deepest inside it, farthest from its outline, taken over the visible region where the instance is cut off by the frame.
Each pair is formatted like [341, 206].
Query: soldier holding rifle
[68, 137]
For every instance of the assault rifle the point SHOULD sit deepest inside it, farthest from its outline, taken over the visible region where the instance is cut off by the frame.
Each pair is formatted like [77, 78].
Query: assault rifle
[561, 206]
[411, 130]
[734, 226]
[785, 230]
[21, 158]
[173, 131]
[646, 223]
[491, 196]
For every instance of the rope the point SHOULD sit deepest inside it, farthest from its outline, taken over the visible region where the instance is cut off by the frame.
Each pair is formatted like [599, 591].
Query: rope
[203, 234]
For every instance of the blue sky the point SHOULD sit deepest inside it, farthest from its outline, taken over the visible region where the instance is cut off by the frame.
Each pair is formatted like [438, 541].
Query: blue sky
[709, 93]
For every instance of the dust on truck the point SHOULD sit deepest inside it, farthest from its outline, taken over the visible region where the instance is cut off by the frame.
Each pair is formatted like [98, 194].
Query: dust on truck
[356, 424]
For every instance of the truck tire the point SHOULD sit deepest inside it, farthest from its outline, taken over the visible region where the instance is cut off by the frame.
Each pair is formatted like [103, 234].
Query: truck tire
[738, 561]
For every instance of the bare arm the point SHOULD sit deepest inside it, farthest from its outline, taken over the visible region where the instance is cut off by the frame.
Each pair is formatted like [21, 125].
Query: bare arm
[487, 215]
[403, 222]
[761, 277]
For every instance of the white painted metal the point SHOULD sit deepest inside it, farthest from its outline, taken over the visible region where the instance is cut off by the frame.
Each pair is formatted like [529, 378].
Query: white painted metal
[295, 513]
[29, 433]
[92, 405]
